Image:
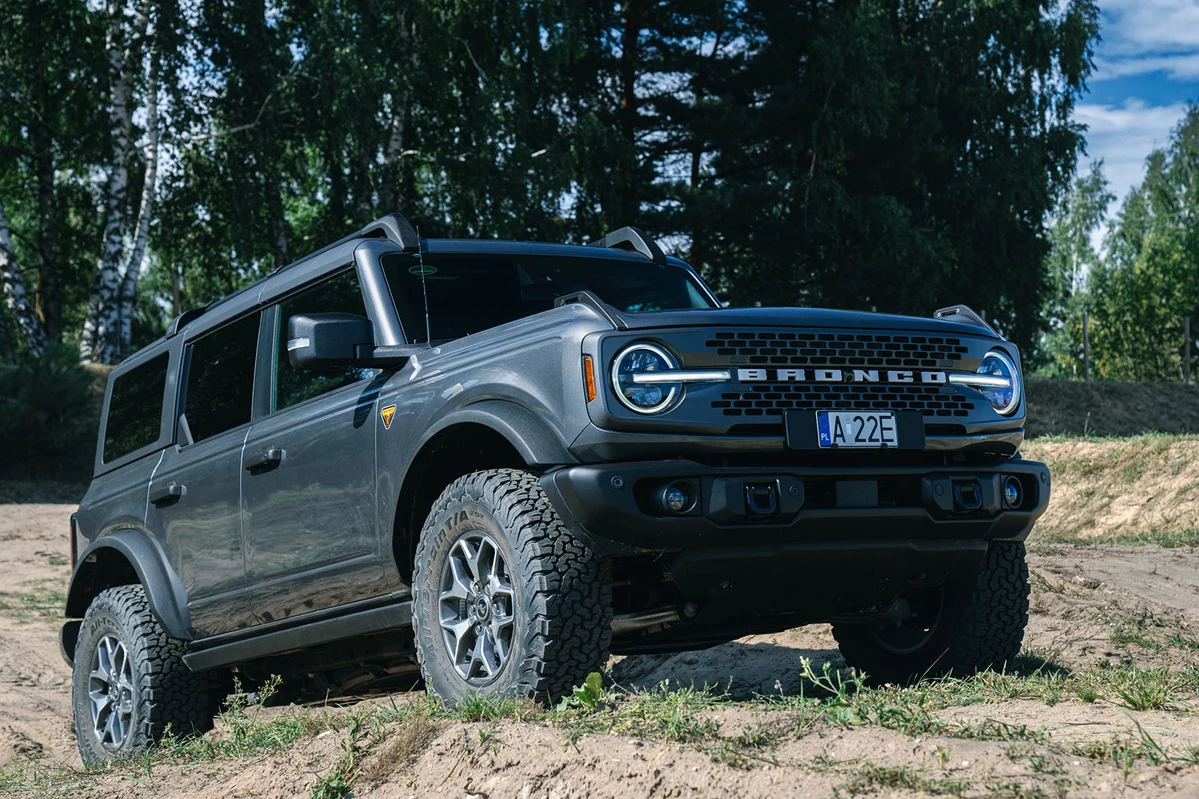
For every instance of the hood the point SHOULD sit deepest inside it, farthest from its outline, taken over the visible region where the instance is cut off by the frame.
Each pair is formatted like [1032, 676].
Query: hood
[821, 318]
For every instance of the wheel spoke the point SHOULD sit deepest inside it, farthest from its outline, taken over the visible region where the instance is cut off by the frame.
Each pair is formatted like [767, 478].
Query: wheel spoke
[459, 580]
[470, 557]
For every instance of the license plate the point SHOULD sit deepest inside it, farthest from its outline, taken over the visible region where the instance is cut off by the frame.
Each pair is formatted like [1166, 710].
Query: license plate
[876, 429]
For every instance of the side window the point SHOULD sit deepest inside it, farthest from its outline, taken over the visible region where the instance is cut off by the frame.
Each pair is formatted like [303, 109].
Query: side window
[135, 410]
[220, 379]
[338, 294]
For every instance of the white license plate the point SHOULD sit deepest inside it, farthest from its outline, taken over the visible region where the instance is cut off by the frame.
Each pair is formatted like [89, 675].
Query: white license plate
[875, 429]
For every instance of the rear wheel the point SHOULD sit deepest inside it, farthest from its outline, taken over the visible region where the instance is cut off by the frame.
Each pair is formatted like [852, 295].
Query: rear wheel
[969, 625]
[506, 599]
[130, 682]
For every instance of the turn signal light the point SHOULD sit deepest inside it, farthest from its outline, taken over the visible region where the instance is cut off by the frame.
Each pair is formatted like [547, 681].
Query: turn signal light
[589, 377]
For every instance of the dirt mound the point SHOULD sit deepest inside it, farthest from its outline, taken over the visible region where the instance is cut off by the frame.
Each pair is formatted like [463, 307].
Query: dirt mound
[1143, 487]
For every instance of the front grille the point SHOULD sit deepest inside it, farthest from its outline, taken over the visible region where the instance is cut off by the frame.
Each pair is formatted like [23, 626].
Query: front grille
[827, 348]
[760, 399]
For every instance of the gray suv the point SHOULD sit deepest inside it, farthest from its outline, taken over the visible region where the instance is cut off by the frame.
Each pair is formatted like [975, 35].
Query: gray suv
[500, 462]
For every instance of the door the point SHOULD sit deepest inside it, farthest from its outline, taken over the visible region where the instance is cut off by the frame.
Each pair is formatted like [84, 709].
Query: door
[195, 495]
[308, 481]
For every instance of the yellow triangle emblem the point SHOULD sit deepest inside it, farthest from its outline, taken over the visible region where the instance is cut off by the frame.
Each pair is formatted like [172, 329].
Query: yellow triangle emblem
[387, 414]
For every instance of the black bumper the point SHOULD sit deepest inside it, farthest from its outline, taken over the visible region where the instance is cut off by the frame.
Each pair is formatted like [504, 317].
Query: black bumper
[837, 543]
[620, 508]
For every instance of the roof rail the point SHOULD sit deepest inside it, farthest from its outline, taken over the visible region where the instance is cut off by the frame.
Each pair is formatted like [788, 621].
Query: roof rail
[393, 227]
[631, 238]
[184, 318]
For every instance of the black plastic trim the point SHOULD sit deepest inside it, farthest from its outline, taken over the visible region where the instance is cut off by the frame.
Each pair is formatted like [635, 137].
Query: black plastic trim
[301, 636]
[168, 602]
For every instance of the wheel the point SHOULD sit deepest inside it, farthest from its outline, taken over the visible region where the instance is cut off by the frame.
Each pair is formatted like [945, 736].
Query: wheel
[969, 625]
[506, 599]
[130, 682]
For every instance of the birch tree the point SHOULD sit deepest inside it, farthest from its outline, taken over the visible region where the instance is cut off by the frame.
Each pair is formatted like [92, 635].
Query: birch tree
[15, 295]
[124, 43]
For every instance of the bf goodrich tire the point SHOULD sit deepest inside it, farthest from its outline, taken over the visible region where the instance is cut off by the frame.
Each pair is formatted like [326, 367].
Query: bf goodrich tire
[970, 625]
[130, 682]
[506, 600]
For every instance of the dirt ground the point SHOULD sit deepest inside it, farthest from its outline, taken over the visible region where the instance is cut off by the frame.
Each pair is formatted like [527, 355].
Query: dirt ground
[1081, 595]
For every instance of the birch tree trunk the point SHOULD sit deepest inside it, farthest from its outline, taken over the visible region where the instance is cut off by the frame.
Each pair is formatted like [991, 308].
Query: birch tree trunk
[133, 268]
[14, 292]
[101, 330]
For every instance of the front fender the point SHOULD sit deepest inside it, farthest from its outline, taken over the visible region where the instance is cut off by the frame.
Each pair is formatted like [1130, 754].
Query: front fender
[168, 601]
[532, 437]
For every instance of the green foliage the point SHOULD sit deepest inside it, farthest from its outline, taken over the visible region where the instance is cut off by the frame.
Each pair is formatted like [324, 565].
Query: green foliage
[876, 154]
[586, 696]
[49, 415]
[1150, 279]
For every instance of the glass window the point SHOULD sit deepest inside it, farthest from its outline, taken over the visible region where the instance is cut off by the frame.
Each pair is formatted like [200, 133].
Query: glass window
[220, 379]
[135, 410]
[338, 294]
[470, 293]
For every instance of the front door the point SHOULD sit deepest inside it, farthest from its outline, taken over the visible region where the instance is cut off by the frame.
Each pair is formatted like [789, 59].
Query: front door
[308, 479]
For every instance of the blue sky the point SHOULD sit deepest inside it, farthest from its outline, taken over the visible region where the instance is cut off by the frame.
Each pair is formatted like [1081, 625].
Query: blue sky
[1146, 70]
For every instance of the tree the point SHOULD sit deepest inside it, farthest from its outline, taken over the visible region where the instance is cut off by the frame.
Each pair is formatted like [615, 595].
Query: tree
[1151, 279]
[1072, 258]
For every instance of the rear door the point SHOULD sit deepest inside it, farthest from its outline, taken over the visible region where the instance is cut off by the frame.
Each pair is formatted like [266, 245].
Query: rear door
[195, 495]
[308, 479]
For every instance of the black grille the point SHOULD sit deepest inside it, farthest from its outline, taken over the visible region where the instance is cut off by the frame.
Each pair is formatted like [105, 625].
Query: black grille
[824, 348]
[761, 399]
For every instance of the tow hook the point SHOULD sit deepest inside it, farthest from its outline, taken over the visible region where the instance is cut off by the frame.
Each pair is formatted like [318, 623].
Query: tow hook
[761, 499]
[967, 494]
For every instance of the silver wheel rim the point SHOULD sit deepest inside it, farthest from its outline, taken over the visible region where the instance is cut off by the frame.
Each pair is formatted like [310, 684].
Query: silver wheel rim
[476, 608]
[110, 692]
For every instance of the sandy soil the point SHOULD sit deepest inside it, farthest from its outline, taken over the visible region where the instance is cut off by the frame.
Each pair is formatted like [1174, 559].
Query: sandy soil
[1078, 593]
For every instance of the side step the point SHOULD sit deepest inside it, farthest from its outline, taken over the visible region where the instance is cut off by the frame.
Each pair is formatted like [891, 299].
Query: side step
[364, 622]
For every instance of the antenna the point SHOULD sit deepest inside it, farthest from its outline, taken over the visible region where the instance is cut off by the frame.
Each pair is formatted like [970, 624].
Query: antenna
[424, 287]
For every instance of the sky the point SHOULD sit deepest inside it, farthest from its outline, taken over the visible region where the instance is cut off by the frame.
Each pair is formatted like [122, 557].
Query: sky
[1146, 70]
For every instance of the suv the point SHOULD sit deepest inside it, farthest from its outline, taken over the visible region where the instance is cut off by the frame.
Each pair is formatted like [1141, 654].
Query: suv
[500, 462]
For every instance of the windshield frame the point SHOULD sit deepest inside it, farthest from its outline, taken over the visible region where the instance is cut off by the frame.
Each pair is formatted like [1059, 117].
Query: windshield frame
[408, 308]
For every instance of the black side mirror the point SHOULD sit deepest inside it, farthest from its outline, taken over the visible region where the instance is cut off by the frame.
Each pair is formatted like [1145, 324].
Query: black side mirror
[323, 342]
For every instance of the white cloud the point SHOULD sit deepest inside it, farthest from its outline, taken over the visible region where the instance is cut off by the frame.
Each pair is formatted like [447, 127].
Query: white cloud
[1176, 67]
[1123, 136]
[1143, 36]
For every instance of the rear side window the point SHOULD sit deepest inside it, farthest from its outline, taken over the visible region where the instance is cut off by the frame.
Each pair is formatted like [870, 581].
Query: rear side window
[220, 379]
[339, 294]
[135, 409]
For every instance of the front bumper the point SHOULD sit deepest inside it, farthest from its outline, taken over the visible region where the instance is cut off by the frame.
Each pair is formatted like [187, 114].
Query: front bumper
[618, 504]
[770, 548]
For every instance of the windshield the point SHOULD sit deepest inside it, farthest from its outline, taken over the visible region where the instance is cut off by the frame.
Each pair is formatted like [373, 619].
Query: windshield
[471, 293]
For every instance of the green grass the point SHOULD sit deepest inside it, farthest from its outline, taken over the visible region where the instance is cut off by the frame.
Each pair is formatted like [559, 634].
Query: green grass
[378, 739]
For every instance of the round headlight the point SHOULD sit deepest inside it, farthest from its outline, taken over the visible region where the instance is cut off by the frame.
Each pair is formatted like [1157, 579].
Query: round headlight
[1003, 398]
[652, 394]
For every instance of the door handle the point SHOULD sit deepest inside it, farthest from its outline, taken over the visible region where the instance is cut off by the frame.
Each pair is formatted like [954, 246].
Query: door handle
[171, 492]
[269, 458]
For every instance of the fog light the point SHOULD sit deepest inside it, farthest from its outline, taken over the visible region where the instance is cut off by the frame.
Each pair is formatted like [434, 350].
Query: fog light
[677, 497]
[1012, 493]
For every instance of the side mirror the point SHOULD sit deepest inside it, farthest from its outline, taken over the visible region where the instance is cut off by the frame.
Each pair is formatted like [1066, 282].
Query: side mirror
[323, 342]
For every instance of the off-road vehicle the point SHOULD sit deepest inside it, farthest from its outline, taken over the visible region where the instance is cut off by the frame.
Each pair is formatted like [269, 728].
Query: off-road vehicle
[499, 462]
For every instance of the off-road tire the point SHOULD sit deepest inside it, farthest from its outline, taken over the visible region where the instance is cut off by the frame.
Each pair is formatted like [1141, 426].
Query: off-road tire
[982, 623]
[563, 605]
[167, 693]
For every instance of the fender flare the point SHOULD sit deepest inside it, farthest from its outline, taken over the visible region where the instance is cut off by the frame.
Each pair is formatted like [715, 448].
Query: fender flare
[164, 590]
[524, 430]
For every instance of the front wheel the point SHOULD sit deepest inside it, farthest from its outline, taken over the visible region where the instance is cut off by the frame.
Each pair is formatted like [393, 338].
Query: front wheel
[130, 682]
[971, 624]
[506, 599]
